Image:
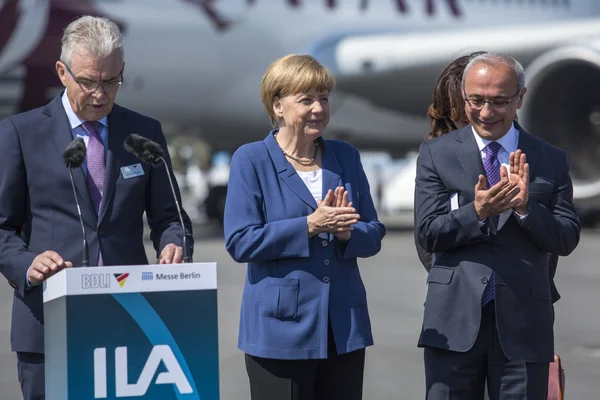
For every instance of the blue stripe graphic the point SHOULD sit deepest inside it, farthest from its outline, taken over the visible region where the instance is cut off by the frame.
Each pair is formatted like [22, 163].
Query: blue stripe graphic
[157, 333]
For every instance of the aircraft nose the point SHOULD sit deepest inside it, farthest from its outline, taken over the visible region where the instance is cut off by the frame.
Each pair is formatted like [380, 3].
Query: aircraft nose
[354, 54]
[324, 51]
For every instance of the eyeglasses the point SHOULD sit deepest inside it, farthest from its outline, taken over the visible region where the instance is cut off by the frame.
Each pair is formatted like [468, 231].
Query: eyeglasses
[92, 86]
[478, 103]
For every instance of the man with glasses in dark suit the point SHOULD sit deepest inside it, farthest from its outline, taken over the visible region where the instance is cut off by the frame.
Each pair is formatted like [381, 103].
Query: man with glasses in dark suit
[40, 232]
[491, 202]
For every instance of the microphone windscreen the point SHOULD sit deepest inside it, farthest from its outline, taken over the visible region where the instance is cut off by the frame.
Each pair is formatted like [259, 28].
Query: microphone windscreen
[74, 154]
[145, 149]
[154, 148]
[134, 143]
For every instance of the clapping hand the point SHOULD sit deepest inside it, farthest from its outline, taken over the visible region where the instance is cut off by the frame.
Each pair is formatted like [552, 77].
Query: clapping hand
[341, 199]
[500, 197]
[519, 175]
[331, 218]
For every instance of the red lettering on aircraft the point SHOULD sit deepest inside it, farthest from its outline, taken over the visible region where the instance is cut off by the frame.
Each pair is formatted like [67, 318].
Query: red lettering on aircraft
[207, 7]
[430, 7]
[400, 5]
[221, 23]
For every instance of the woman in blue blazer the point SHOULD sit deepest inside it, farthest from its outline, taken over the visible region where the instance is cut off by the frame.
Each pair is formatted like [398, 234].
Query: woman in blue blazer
[299, 212]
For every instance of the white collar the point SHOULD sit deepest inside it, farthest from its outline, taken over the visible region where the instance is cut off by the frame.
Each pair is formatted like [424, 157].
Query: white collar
[509, 141]
[74, 120]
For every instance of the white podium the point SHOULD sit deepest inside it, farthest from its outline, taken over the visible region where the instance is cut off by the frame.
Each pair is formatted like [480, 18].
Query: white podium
[132, 332]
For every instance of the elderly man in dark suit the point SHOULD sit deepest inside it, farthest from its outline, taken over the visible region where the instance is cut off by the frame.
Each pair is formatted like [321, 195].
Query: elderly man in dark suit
[40, 231]
[491, 202]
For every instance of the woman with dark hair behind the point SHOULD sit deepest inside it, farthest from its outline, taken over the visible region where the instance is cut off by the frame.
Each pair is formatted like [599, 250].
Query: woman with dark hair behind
[447, 111]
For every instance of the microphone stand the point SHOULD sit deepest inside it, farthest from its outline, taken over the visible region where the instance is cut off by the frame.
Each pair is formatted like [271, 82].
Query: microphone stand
[85, 258]
[187, 258]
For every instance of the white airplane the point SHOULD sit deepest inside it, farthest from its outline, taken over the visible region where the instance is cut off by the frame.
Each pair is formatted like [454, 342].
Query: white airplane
[196, 65]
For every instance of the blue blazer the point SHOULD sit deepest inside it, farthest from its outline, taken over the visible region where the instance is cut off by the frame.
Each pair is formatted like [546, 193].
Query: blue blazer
[38, 211]
[293, 282]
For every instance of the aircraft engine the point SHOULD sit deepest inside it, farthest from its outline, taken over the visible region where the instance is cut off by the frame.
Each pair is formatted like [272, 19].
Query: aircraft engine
[562, 106]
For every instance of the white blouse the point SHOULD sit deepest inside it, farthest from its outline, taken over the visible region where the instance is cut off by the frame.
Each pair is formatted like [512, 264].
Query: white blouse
[314, 182]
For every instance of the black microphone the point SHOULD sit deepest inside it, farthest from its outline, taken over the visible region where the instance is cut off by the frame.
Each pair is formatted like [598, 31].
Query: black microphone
[152, 153]
[73, 157]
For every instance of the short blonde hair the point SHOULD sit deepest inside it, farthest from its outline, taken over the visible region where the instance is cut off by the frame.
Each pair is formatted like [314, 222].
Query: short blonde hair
[293, 74]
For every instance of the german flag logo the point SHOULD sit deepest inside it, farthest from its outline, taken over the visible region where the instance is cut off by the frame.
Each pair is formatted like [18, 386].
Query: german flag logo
[121, 278]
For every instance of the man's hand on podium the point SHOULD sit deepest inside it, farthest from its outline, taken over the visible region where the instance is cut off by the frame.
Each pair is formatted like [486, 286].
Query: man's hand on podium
[45, 265]
[171, 254]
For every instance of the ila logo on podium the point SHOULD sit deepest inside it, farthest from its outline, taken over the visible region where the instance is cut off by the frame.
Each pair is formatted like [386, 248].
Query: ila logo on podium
[160, 353]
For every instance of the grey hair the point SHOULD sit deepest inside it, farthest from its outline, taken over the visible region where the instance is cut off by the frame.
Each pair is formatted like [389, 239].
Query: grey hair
[493, 59]
[98, 36]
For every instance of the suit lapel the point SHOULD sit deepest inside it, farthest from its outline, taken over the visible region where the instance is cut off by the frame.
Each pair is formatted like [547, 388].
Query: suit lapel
[331, 169]
[61, 135]
[527, 144]
[469, 155]
[287, 173]
[116, 137]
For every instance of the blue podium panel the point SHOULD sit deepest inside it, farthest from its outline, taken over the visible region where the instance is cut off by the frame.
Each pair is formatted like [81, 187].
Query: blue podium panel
[132, 332]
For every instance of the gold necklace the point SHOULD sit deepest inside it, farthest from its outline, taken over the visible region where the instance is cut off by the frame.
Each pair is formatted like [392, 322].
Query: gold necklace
[306, 161]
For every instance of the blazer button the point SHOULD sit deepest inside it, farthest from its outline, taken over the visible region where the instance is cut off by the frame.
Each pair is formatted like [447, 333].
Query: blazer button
[326, 279]
[496, 249]
[324, 243]
[100, 231]
[484, 280]
[326, 262]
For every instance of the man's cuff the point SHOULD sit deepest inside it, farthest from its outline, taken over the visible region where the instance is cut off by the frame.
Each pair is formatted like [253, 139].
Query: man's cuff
[521, 216]
[27, 283]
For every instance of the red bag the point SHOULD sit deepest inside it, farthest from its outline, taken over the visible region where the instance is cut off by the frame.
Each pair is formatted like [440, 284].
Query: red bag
[556, 381]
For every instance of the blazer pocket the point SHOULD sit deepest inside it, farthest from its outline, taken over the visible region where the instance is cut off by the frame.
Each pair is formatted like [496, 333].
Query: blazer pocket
[544, 188]
[441, 275]
[279, 298]
[541, 192]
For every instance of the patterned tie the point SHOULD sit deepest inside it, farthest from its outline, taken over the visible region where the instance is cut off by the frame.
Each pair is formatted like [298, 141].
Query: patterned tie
[96, 167]
[491, 164]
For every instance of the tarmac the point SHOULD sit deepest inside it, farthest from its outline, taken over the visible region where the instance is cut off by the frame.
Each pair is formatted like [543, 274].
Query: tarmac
[395, 283]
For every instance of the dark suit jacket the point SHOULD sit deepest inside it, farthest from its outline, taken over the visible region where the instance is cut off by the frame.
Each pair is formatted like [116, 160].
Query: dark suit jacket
[425, 259]
[38, 211]
[467, 254]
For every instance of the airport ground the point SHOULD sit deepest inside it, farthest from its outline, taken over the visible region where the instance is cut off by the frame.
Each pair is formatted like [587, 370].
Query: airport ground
[395, 282]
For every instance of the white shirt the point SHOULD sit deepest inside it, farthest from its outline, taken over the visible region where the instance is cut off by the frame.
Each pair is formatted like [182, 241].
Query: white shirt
[314, 182]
